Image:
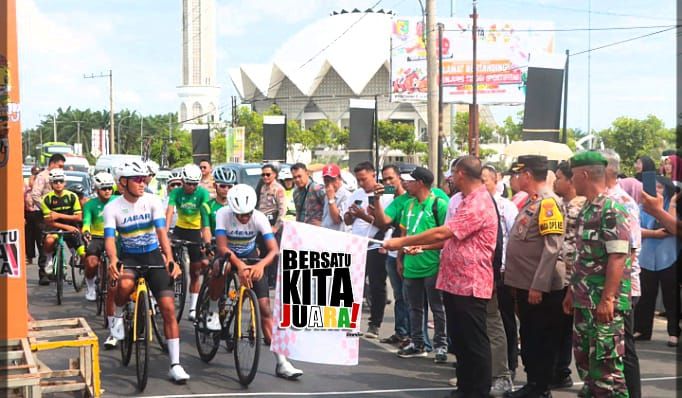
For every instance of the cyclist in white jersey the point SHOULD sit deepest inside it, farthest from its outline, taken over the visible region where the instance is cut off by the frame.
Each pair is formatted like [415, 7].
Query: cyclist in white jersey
[139, 219]
[237, 226]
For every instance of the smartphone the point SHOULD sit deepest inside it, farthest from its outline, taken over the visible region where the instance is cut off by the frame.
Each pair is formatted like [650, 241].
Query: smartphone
[649, 182]
[358, 202]
[370, 199]
[389, 189]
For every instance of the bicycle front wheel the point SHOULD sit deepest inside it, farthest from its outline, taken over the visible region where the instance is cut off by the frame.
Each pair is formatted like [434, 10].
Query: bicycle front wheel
[102, 291]
[208, 341]
[157, 326]
[58, 270]
[77, 272]
[142, 335]
[127, 342]
[180, 287]
[247, 336]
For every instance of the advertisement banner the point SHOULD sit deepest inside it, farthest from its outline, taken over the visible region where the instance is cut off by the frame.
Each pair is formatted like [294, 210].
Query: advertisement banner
[318, 298]
[503, 51]
[234, 144]
[99, 144]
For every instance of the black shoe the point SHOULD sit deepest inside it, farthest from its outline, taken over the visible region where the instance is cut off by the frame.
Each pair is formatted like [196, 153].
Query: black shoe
[641, 337]
[561, 382]
[394, 339]
[44, 280]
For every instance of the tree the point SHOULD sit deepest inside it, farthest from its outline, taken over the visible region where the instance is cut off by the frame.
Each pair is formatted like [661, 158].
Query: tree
[460, 131]
[632, 138]
[512, 129]
[399, 136]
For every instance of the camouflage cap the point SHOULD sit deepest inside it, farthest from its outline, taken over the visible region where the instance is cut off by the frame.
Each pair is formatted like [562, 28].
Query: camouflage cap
[588, 158]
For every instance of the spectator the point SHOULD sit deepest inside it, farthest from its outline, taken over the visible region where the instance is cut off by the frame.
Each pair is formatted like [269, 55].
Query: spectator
[360, 215]
[336, 200]
[466, 275]
[570, 208]
[287, 181]
[670, 220]
[309, 197]
[272, 200]
[519, 197]
[599, 293]
[41, 187]
[207, 177]
[615, 192]
[660, 251]
[632, 187]
[531, 271]
[33, 217]
[643, 163]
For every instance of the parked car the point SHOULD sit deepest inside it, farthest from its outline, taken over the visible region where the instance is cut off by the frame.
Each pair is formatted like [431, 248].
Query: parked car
[78, 181]
[247, 173]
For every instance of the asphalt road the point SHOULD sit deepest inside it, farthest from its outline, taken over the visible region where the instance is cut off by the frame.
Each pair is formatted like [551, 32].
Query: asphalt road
[380, 372]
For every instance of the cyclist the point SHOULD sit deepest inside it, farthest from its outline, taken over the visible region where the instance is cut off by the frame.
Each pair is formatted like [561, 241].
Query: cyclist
[237, 225]
[139, 220]
[174, 181]
[93, 230]
[189, 200]
[61, 210]
[224, 179]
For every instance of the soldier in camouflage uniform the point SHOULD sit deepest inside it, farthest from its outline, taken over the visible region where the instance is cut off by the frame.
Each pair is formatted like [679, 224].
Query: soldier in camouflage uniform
[600, 286]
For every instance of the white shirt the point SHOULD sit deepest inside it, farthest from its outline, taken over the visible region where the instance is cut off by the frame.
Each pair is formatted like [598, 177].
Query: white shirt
[361, 227]
[342, 202]
[508, 212]
[241, 238]
[135, 223]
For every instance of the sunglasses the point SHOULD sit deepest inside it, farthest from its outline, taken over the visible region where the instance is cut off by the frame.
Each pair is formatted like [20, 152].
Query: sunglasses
[107, 189]
[245, 215]
[137, 179]
[175, 185]
[266, 174]
[192, 184]
[57, 182]
[203, 167]
[223, 186]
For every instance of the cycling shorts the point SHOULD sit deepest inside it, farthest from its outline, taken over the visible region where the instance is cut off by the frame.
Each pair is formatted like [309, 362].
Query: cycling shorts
[95, 247]
[260, 287]
[73, 241]
[192, 235]
[159, 280]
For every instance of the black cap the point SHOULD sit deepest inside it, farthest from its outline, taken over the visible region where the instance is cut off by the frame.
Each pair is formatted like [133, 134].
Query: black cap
[531, 162]
[419, 174]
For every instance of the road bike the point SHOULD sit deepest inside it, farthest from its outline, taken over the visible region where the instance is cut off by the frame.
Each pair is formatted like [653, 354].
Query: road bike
[181, 258]
[59, 264]
[102, 287]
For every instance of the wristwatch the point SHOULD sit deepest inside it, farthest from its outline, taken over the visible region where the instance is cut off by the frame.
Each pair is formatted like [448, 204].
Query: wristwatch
[331, 201]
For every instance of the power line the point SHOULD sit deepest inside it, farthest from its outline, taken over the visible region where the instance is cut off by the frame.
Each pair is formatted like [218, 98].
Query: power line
[621, 42]
[575, 29]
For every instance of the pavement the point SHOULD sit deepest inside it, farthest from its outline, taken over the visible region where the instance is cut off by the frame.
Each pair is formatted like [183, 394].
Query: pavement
[380, 372]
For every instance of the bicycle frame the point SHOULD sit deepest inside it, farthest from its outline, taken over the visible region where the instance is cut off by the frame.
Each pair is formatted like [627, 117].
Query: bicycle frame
[141, 286]
[242, 289]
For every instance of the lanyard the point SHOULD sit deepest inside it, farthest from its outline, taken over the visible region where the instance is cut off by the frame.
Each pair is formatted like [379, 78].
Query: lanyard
[419, 216]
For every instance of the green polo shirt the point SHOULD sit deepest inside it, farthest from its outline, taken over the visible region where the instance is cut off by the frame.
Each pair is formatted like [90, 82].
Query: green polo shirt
[417, 218]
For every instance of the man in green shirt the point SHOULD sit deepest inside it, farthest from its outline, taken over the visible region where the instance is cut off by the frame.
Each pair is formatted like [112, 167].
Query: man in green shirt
[93, 230]
[189, 200]
[422, 211]
[224, 179]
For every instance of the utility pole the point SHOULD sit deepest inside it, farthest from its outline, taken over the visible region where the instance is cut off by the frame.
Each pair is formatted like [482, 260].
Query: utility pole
[54, 128]
[473, 108]
[112, 148]
[141, 135]
[441, 135]
[432, 77]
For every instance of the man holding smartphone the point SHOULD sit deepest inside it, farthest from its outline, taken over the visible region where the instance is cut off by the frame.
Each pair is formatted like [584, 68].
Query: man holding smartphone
[336, 199]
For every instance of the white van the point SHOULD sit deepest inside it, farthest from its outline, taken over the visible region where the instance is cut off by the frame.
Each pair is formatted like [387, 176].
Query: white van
[109, 162]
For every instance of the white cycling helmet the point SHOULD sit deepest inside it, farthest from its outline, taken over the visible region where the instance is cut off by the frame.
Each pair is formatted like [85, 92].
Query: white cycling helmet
[241, 198]
[191, 173]
[57, 174]
[152, 166]
[174, 176]
[285, 174]
[103, 180]
[134, 168]
[225, 175]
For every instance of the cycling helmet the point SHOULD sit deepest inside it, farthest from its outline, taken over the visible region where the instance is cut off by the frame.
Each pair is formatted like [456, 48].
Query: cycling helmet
[103, 180]
[241, 198]
[152, 166]
[174, 176]
[57, 174]
[225, 175]
[134, 168]
[285, 174]
[191, 173]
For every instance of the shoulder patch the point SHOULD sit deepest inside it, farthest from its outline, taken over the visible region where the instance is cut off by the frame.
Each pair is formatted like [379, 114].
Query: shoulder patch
[550, 219]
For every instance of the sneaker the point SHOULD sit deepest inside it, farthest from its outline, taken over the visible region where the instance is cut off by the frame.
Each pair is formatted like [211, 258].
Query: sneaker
[672, 341]
[441, 355]
[405, 342]
[44, 280]
[394, 339]
[110, 343]
[178, 374]
[453, 382]
[49, 268]
[116, 328]
[192, 315]
[287, 371]
[561, 382]
[372, 332]
[500, 386]
[213, 321]
[412, 351]
[90, 293]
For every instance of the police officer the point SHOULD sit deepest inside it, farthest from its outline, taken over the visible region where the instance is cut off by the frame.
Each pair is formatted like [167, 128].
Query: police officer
[535, 277]
[600, 283]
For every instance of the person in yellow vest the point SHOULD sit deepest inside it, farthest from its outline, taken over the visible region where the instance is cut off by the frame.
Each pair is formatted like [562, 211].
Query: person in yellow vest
[287, 180]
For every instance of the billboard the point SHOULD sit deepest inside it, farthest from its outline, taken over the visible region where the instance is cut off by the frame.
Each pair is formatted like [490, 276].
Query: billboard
[503, 50]
[99, 144]
[234, 137]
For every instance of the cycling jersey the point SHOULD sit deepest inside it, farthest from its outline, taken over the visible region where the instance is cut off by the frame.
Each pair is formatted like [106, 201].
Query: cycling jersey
[210, 209]
[241, 238]
[135, 223]
[188, 207]
[66, 203]
[93, 219]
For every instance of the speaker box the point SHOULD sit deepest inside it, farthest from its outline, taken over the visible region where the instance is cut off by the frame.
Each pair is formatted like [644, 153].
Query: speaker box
[274, 138]
[542, 111]
[201, 145]
[361, 131]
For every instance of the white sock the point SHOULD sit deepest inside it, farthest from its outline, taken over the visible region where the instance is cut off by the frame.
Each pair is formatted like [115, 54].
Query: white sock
[90, 282]
[280, 358]
[213, 306]
[110, 318]
[118, 312]
[174, 350]
[48, 260]
[193, 298]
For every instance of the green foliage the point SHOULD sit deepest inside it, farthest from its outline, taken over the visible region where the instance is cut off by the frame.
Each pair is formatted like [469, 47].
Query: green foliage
[632, 138]
[512, 129]
[460, 131]
[253, 136]
[399, 136]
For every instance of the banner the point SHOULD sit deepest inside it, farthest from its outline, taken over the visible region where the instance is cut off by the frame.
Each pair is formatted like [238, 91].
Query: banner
[318, 298]
[99, 144]
[503, 48]
[234, 144]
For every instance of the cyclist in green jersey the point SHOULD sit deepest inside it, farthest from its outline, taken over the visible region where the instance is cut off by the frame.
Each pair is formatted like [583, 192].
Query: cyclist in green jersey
[189, 226]
[61, 210]
[225, 178]
[93, 230]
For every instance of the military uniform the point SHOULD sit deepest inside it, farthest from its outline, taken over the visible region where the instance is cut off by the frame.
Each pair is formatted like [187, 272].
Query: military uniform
[535, 243]
[599, 347]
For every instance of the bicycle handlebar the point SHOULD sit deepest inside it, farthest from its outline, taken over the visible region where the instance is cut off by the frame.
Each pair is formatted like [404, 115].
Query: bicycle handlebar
[120, 266]
[60, 232]
[185, 242]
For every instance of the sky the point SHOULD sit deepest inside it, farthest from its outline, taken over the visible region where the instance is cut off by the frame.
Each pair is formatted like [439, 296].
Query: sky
[60, 41]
